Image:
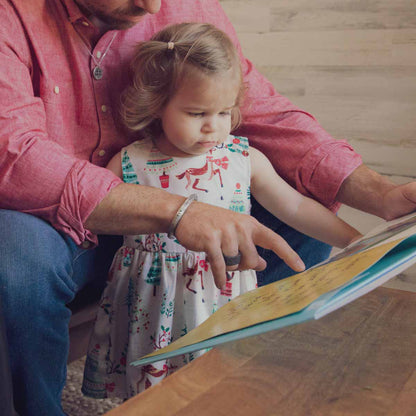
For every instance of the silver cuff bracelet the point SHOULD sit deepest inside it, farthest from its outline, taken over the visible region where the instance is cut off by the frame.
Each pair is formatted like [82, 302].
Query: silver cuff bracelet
[179, 214]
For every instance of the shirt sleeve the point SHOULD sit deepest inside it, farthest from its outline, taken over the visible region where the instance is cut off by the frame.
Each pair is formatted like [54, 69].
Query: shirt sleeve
[37, 176]
[301, 151]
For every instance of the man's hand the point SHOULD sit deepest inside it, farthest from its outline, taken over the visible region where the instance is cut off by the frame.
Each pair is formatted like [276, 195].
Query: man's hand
[399, 201]
[137, 209]
[371, 192]
[219, 232]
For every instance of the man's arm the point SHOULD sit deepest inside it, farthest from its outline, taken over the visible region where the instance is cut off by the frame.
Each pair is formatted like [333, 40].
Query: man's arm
[136, 209]
[37, 176]
[371, 192]
[303, 153]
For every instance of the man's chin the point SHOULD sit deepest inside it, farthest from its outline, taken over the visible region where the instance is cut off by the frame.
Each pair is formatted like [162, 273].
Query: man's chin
[123, 25]
[117, 24]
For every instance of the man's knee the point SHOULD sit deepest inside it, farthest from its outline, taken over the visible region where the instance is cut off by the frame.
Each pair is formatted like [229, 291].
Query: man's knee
[28, 239]
[35, 257]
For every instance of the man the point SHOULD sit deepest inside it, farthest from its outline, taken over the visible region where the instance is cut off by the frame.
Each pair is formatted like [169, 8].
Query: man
[63, 66]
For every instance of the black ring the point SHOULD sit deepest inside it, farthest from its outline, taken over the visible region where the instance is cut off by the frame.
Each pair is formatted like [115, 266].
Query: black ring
[232, 260]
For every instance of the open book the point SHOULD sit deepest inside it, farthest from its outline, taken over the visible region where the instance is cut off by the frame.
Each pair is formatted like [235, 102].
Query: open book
[362, 266]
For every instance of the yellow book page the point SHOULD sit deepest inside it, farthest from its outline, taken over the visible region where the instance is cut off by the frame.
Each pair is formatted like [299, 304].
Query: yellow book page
[280, 298]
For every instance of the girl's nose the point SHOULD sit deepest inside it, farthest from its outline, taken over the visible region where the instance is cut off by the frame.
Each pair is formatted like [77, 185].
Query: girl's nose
[209, 124]
[151, 6]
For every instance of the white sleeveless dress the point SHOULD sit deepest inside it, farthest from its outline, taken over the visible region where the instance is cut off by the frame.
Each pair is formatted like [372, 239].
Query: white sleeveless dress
[157, 290]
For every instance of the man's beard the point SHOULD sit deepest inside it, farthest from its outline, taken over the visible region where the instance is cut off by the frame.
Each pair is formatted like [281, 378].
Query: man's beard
[119, 18]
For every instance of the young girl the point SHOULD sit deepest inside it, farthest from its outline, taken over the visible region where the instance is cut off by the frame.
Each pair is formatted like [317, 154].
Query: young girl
[184, 101]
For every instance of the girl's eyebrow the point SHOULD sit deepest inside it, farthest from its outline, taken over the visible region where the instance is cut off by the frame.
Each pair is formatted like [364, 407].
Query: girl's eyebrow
[200, 108]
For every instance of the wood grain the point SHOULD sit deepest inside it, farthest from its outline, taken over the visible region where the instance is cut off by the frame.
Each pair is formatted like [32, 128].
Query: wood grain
[358, 360]
[351, 63]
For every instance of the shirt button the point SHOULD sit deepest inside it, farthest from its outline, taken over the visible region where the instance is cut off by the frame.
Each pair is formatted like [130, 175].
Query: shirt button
[85, 244]
[56, 89]
[98, 54]
[101, 152]
[104, 108]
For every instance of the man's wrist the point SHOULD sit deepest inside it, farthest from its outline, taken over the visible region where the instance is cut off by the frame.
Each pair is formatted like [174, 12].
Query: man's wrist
[179, 214]
[364, 189]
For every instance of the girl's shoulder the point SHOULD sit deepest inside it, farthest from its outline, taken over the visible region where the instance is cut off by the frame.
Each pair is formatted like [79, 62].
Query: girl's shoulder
[236, 139]
[237, 144]
[140, 144]
[138, 149]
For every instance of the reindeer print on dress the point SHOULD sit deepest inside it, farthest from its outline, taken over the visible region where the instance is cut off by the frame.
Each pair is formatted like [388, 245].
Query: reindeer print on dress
[158, 289]
[211, 168]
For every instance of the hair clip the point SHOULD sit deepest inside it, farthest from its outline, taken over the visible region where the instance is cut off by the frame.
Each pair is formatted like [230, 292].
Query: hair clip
[171, 45]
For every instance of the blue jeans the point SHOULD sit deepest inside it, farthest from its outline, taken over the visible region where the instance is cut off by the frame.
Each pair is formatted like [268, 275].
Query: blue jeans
[310, 250]
[41, 270]
[6, 390]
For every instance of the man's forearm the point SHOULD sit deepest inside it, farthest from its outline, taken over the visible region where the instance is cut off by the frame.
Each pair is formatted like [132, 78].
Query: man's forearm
[371, 192]
[134, 209]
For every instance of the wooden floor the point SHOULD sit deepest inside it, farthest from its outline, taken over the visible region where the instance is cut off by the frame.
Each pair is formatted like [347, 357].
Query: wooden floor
[350, 63]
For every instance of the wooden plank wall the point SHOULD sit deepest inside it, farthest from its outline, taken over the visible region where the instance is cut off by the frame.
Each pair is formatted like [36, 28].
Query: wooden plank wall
[351, 63]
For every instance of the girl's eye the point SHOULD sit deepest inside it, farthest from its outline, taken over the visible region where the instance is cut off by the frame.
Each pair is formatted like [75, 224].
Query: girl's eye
[225, 113]
[196, 114]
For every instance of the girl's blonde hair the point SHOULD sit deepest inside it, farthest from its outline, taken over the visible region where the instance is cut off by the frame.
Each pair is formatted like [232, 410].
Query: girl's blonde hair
[159, 67]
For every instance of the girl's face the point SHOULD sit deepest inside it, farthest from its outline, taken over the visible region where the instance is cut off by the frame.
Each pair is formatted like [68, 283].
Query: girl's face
[198, 116]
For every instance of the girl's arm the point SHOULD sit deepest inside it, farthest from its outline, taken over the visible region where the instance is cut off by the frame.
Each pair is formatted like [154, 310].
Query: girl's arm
[302, 213]
[115, 165]
[138, 209]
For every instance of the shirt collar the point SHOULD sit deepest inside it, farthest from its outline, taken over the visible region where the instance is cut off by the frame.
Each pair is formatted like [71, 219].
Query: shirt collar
[74, 12]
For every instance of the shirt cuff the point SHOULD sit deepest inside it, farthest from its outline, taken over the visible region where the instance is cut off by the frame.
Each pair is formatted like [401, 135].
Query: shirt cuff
[313, 171]
[86, 185]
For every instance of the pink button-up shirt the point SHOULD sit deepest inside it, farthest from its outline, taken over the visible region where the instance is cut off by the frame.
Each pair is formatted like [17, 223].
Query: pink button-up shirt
[59, 126]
